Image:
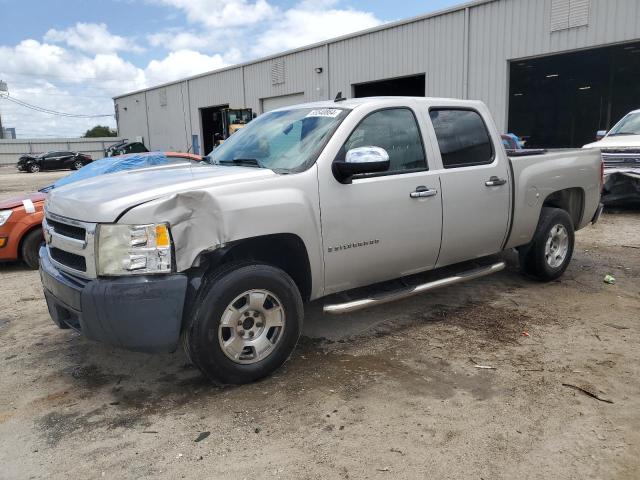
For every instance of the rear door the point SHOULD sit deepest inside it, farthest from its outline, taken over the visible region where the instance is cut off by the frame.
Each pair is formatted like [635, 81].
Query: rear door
[475, 182]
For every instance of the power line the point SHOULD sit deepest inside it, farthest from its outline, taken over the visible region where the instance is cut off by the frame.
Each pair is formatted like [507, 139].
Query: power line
[70, 77]
[51, 112]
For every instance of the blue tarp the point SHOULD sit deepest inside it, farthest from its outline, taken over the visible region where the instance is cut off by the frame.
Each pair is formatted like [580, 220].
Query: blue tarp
[114, 164]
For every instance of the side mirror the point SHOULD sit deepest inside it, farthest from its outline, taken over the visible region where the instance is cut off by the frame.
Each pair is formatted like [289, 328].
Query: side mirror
[600, 134]
[361, 160]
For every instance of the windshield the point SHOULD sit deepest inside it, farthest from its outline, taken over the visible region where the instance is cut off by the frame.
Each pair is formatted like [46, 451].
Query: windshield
[629, 125]
[285, 141]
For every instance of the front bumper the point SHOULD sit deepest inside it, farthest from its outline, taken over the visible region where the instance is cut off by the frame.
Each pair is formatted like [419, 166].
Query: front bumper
[136, 313]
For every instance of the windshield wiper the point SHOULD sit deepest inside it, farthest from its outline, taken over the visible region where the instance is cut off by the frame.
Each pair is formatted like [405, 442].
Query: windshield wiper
[243, 162]
[623, 133]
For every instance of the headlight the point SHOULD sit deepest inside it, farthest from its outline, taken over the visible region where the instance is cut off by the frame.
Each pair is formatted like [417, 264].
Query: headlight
[134, 249]
[4, 216]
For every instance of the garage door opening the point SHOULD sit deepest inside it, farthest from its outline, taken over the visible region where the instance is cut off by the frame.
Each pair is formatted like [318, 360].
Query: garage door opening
[272, 103]
[413, 86]
[211, 121]
[562, 100]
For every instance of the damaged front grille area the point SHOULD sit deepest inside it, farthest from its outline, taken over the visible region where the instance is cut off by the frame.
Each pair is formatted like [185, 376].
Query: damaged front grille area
[621, 158]
[70, 245]
[72, 260]
[71, 231]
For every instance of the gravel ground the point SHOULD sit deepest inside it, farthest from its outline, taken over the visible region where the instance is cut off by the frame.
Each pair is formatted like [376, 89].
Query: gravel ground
[390, 392]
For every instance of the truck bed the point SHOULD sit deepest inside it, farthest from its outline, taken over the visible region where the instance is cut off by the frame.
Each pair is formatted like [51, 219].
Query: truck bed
[576, 173]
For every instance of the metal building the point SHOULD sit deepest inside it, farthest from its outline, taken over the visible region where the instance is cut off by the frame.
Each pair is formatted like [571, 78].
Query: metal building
[552, 71]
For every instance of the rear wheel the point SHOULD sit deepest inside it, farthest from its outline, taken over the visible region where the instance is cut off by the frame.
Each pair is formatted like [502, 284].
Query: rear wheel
[246, 322]
[549, 254]
[31, 247]
[34, 168]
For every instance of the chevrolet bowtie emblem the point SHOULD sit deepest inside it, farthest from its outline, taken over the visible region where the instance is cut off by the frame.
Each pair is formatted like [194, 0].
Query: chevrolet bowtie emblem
[47, 236]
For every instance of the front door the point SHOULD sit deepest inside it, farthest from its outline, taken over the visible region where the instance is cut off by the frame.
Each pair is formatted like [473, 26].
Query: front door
[50, 161]
[374, 229]
[475, 185]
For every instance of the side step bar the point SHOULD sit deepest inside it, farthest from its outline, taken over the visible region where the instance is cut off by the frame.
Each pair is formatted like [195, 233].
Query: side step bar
[354, 305]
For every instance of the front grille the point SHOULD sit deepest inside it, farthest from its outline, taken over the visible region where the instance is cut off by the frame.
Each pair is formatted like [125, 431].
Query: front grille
[71, 245]
[71, 260]
[621, 159]
[68, 230]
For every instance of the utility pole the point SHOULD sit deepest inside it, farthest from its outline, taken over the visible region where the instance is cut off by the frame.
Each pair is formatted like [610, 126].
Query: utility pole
[3, 90]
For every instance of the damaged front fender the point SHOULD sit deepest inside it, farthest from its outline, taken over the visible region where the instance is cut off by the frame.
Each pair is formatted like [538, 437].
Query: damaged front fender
[207, 219]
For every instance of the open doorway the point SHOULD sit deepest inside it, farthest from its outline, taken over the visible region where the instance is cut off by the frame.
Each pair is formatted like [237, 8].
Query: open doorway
[413, 86]
[212, 126]
[562, 100]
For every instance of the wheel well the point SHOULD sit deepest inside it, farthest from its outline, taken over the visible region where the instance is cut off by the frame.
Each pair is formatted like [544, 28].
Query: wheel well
[571, 200]
[283, 250]
[24, 235]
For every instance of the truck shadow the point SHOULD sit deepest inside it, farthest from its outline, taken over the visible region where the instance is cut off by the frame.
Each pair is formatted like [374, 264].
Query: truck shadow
[103, 388]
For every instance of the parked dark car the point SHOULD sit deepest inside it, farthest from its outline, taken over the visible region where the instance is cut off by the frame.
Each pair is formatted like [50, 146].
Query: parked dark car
[53, 161]
[125, 147]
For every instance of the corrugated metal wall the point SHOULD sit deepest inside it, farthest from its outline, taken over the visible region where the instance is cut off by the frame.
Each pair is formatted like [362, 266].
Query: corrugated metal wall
[10, 150]
[463, 53]
[514, 29]
[299, 77]
[170, 102]
[433, 46]
[131, 113]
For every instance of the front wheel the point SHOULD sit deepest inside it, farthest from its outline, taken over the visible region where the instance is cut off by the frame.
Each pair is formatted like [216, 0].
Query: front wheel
[246, 322]
[34, 168]
[549, 254]
[77, 165]
[31, 247]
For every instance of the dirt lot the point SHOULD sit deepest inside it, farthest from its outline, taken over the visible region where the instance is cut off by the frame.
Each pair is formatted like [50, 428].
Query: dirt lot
[391, 392]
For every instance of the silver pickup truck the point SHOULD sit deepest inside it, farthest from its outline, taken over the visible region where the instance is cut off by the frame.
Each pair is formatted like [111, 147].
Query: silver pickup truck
[304, 202]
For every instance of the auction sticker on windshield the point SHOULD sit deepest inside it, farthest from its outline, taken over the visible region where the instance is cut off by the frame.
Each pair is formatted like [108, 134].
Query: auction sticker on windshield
[324, 112]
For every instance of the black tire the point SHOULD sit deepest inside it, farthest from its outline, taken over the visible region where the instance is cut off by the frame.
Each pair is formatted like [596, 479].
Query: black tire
[34, 168]
[534, 260]
[218, 290]
[77, 165]
[30, 247]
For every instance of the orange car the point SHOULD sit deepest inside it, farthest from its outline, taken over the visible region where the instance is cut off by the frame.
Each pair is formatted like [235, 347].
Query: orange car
[20, 228]
[21, 217]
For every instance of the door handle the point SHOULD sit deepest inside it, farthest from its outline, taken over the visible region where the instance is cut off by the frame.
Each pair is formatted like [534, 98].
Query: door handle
[495, 182]
[423, 192]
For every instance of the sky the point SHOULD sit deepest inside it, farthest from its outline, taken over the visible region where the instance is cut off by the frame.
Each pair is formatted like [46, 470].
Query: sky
[73, 56]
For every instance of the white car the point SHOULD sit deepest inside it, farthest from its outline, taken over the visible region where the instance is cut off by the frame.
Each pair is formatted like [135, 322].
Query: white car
[620, 149]
[621, 145]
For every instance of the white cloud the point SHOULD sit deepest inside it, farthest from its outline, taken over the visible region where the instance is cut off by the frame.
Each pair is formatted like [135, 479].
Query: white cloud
[307, 24]
[176, 39]
[180, 64]
[223, 13]
[91, 38]
[78, 69]
[63, 80]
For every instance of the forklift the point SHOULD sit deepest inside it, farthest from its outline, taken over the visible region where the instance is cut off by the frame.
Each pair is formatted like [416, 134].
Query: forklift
[233, 119]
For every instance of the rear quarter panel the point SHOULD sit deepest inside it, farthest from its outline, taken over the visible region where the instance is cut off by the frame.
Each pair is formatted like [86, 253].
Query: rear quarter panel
[536, 177]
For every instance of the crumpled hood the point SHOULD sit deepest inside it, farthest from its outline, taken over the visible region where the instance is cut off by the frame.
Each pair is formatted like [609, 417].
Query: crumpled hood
[13, 202]
[104, 198]
[622, 141]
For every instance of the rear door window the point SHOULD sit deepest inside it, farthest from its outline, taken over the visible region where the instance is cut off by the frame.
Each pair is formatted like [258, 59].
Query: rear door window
[462, 136]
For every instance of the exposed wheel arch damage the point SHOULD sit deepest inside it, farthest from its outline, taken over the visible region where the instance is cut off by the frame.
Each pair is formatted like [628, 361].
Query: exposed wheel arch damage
[571, 200]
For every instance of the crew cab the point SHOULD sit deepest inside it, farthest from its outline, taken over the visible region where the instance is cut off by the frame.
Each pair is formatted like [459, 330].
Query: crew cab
[304, 202]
